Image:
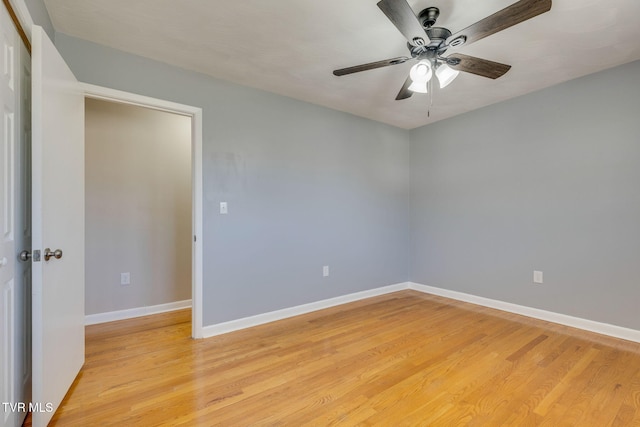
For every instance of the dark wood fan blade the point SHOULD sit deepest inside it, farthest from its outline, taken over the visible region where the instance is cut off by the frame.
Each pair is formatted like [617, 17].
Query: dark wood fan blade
[402, 16]
[478, 66]
[405, 92]
[507, 17]
[370, 66]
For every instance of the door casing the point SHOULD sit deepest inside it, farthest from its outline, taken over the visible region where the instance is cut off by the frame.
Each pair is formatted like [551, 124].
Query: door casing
[113, 95]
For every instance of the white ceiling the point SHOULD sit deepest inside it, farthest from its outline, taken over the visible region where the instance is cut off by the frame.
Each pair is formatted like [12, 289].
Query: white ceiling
[291, 47]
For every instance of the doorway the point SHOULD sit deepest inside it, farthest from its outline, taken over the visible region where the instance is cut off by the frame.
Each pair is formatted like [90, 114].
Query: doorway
[136, 255]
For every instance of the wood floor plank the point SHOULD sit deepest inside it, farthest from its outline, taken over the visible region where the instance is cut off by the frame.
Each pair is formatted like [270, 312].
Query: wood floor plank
[400, 359]
[558, 359]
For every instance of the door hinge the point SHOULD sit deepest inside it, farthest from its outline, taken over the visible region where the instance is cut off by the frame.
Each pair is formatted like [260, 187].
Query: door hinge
[194, 238]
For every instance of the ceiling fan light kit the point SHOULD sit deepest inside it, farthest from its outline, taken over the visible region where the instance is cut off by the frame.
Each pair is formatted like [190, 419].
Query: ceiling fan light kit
[421, 73]
[427, 44]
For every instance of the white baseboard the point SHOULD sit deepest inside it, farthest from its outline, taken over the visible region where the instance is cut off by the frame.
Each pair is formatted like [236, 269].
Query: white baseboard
[248, 322]
[549, 316]
[93, 319]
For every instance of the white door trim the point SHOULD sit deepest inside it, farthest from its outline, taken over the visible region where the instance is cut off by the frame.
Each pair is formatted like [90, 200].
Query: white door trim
[113, 95]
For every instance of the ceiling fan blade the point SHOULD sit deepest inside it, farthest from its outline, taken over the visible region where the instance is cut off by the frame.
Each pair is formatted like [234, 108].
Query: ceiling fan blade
[402, 16]
[478, 66]
[370, 66]
[507, 17]
[405, 92]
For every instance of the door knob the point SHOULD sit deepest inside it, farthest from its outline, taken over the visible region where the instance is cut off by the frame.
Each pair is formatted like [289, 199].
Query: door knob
[48, 254]
[25, 256]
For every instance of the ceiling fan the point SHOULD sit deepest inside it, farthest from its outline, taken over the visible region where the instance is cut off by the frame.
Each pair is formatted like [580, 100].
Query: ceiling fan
[427, 43]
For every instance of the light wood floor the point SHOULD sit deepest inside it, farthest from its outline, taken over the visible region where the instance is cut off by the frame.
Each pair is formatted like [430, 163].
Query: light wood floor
[402, 359]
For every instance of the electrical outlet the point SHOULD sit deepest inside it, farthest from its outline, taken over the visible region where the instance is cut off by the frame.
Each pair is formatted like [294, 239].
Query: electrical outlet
[537, 276]
[325, 271]
[125, 278]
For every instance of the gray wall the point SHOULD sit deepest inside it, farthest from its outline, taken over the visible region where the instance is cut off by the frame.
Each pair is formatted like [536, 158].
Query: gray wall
[548, 181]
[306, 187]
[40, 16]
[138, 206]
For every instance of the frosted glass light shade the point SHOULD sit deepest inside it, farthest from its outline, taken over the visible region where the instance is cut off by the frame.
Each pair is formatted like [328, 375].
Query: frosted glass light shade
[446, 75]
[420, 87]
[420, 75]
[421, 72]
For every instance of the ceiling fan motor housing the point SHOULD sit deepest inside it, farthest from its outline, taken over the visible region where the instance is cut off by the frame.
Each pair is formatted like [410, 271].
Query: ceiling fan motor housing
[438, 35]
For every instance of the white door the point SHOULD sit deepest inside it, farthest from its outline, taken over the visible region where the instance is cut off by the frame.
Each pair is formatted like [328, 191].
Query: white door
[9, 97]
[57, 227]
[15, 333]
[23, 227]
